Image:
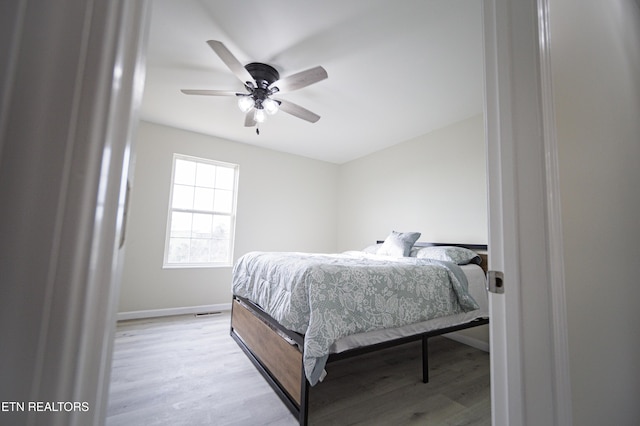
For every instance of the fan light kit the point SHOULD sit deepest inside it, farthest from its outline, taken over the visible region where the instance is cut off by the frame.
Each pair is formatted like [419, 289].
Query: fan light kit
[261, 82]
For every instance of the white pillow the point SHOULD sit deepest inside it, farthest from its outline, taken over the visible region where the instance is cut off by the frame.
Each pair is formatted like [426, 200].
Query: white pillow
[458, 255]
[398, 244]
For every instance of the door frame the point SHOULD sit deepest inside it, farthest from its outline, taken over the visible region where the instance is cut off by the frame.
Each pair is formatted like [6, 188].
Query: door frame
[70, 91]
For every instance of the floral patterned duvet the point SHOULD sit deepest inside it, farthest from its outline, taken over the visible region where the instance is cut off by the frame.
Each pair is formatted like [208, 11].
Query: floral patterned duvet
[326, 297]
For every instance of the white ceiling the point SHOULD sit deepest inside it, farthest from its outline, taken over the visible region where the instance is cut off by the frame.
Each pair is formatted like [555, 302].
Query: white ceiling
[397, 69]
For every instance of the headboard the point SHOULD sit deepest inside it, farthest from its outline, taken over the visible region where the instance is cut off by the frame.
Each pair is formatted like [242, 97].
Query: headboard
[481, 249]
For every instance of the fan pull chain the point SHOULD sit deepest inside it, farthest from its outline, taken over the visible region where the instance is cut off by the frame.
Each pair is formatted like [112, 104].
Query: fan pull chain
[258, 131]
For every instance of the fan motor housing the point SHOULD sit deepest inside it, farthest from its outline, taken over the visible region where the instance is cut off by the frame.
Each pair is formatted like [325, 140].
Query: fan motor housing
[263, 74]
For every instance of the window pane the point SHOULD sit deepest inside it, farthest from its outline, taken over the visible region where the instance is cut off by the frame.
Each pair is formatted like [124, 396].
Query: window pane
[205, 175]
[181, 224]
[223, 201]
[185, 172]
[202, 226]
[203, 199]
[178, 250]
[200, 249]
[225, 177]
[219, 251]
[182, 197]
[221, 227]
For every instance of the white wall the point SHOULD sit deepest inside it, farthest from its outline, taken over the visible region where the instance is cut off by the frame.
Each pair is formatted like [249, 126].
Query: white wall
[595, 48]
[434, 184]
[285, 202]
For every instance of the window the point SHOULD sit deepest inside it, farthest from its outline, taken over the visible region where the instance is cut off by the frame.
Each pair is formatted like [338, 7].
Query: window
[202, 211]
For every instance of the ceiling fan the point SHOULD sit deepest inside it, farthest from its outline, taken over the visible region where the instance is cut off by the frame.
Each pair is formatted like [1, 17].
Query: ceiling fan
[261, 81]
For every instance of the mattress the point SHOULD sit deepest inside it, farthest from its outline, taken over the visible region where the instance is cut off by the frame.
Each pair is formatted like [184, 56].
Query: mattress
[345, 296]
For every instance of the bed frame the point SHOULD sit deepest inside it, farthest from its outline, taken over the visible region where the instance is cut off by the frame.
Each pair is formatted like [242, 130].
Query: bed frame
[277, 352]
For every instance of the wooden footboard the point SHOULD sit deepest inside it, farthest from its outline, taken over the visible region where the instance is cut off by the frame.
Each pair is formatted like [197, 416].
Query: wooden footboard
[278, 360]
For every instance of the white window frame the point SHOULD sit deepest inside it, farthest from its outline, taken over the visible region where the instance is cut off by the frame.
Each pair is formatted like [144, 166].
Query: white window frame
[166, 264]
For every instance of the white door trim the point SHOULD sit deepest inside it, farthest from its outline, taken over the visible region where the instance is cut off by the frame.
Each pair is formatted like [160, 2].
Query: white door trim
[561, 373]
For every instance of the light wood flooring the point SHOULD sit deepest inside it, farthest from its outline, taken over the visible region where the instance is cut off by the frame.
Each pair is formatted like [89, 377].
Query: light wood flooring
[187, 370]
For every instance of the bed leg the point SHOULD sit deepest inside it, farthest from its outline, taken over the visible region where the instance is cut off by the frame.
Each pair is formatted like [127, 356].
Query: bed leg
[303, 415]
[425, 360]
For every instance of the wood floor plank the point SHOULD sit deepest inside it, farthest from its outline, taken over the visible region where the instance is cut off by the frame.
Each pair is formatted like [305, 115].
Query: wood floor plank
[187, 370]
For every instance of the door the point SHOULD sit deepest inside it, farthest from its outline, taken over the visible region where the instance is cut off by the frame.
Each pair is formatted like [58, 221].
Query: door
[529, 361]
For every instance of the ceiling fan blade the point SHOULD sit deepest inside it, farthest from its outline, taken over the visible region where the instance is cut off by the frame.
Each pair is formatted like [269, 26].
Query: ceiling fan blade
[249, 121]
[227, 57]
[209, 92]
[298, 111]
[300, 80]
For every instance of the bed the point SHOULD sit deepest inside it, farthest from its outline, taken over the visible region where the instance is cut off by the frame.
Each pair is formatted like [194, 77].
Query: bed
[295, 313]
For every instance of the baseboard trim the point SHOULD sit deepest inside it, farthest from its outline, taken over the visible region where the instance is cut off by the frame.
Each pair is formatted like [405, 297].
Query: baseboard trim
[203, 309]
[470, 341]
[153, 313]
